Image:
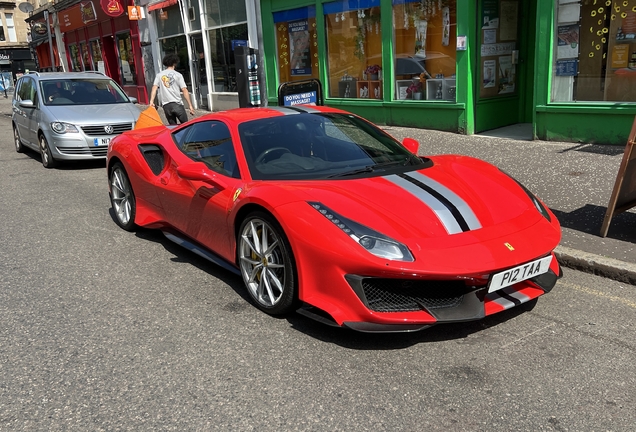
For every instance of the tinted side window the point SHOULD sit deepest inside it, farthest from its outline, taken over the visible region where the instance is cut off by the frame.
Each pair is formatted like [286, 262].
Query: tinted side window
[209, 142]
[25, 89]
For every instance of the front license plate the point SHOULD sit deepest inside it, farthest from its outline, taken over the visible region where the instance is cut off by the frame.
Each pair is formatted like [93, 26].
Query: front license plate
[520, 273]
[100, 141]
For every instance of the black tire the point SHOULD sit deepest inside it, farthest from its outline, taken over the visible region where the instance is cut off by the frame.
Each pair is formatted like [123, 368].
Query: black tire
[19, 147]
[122, 197]
[270, 278]
[45, 152]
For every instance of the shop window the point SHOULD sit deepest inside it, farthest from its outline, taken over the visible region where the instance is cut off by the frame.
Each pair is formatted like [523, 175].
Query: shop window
[168, 21]
[224, 12]
[177, 45]
[2, 38]
[223, 41]
[126, 59]
[296, 44]
[194, 14]
[10, 27]
[86, 57]
[595, 51]
[424, 43]
[353, 27]
[76, 60]
[96, 53]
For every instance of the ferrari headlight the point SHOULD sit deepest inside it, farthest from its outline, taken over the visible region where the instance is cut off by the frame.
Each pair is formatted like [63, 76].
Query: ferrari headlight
[62, 128]
[373, 241]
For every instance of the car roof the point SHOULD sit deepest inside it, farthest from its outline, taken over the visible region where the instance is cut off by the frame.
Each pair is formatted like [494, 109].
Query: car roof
[241, 115]
[45, 76]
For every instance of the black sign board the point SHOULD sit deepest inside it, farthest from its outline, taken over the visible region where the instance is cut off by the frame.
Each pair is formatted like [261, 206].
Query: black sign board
[305, 92]
[624, 194]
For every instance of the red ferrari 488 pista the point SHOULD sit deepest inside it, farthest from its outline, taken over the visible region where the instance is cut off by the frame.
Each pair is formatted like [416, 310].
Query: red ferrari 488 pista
[322, 212]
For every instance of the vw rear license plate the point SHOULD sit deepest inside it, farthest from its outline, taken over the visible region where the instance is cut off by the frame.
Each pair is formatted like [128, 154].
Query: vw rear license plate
[101, 141]
[520, 273]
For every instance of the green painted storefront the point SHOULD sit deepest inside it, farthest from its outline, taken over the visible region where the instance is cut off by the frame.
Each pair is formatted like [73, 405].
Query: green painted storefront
[474, 108]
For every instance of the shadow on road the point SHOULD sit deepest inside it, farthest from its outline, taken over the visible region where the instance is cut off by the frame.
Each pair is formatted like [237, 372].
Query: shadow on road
[70, 165]
[339, 336]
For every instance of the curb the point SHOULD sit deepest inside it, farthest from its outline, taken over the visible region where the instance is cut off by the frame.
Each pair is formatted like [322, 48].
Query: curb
[596, 264]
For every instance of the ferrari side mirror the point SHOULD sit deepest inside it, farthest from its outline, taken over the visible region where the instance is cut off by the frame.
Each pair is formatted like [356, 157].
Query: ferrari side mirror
[198, 171]
[411, 145]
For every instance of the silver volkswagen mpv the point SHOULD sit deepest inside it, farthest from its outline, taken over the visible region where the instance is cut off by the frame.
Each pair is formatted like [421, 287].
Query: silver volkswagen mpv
[70, 115]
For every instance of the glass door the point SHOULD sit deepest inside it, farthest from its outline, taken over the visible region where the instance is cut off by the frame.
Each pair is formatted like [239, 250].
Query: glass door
[505, 56]
[200, 85]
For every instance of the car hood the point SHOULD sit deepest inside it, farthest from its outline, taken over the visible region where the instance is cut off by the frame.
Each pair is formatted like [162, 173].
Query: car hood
[459, 200]
[95, 114]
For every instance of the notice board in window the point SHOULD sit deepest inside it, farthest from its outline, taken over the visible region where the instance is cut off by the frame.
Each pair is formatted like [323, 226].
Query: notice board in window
[624, 193]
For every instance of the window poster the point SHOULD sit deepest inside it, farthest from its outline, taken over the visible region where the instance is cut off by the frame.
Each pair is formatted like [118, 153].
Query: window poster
[569, 13]
[421, 27]
[490, 36]
[567, 67]
[506, 75]
[299, 51]
[568, 41]
[445, 26]
[508, 23]
[490, 68]
[620, 56]
[490, 14]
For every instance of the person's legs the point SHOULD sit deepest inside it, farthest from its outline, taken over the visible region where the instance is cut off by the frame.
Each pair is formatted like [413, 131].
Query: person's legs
[180, 113]
[171, 116]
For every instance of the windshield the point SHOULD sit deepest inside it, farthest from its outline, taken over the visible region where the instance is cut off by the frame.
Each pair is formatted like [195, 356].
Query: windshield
[320, 146]
[82, 92]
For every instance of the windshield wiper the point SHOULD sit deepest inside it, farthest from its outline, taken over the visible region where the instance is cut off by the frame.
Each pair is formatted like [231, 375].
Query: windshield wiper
[366, 169]
[371, 168]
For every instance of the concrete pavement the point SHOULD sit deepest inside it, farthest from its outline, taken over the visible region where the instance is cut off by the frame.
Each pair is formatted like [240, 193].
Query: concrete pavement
[574, 180]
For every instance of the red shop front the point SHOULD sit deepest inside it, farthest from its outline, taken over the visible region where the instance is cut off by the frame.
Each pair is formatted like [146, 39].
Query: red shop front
[99, 36]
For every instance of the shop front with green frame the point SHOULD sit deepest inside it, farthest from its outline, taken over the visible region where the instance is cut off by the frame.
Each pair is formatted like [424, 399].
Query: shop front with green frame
[509, 63]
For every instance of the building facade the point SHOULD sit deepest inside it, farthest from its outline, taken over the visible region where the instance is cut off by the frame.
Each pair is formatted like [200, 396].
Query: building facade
[15, 56]
[568, 67]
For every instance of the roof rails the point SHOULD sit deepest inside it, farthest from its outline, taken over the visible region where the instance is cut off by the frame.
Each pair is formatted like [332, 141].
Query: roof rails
[34, 72]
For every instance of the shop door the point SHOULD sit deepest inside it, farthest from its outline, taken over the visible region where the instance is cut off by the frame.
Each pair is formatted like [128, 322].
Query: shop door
[200, 85]
[505, 60]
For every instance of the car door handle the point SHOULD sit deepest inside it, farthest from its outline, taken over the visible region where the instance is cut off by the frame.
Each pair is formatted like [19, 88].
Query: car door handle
[163, 180]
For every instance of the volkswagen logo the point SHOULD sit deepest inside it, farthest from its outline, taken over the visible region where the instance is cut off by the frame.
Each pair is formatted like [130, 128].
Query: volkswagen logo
[108, 129]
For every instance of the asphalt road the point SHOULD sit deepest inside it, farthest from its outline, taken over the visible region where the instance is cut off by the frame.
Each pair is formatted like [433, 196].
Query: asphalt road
[101, 329]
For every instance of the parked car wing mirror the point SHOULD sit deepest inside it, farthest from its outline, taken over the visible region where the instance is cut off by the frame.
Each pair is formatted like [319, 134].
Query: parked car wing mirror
[411, 145]
[26, 103]
[198, 171]
[133, 100]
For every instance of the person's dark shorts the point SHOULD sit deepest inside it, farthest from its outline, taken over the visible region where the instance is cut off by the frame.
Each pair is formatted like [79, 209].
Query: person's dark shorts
[175, 111]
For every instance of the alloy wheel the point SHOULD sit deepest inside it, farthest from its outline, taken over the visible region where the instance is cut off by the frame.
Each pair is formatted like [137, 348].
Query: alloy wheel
[266, 265]
[122, 198]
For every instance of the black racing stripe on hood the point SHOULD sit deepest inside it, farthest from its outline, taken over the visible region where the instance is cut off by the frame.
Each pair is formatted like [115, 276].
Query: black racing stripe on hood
[449, 205]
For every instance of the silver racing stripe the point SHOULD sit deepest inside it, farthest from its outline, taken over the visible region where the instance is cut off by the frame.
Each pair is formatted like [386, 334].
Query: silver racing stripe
[501, 301]
[513, 293]
[466, 212]
[441, 211]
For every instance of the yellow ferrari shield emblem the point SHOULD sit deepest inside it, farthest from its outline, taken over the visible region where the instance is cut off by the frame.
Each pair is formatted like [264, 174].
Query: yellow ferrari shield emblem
[509, 246]
[237, 193]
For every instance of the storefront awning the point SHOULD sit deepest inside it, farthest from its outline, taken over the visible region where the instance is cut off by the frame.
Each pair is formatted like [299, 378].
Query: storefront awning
[161, 4]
